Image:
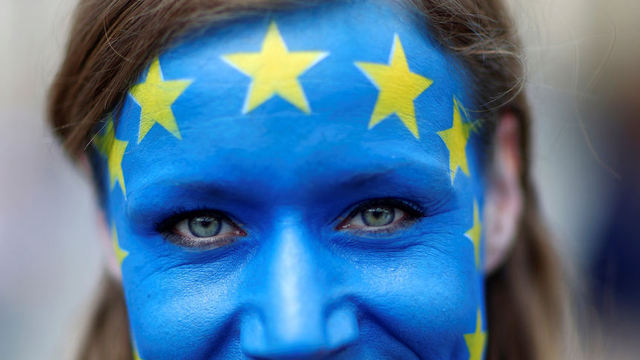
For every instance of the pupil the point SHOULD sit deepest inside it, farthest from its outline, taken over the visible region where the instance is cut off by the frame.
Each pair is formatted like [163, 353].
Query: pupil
[378, 216]
[204, 226]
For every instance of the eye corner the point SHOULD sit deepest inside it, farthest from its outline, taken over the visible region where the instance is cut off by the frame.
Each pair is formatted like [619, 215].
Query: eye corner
[343, 225]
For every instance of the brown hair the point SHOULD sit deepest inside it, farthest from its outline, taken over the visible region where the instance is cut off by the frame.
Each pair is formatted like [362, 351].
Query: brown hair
[112, 42]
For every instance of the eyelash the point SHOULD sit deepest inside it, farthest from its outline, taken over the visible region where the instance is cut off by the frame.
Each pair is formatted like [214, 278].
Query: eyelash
[412, 214]
[167, 227]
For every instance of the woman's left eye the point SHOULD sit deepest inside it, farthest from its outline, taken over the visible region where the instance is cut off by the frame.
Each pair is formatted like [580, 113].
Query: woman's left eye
[202, 230]
[380, 216]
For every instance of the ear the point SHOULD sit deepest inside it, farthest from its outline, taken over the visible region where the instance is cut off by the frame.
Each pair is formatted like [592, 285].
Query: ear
[503, 204]
[104, 230]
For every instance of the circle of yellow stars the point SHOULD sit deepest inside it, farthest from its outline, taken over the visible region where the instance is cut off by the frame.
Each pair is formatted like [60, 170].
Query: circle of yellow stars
[274, 71]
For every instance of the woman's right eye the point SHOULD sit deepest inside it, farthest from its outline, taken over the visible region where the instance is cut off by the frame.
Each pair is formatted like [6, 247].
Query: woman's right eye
[201, 230]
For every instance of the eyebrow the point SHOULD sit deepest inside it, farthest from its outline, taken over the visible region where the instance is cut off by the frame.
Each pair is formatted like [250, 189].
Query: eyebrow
[410, 177]
[415, 178]
[363, 178]
[143, 196]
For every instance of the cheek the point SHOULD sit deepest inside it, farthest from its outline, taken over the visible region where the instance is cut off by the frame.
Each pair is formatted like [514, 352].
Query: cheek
[182, 311]
[425, 297]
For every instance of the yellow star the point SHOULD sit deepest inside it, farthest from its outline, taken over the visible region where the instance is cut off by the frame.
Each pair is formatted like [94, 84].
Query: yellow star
[155, 97]
[475, 232]
[476, 341]
[274, 71]
[120, 253]
[456, 140]
[397, 86]
[113, 149]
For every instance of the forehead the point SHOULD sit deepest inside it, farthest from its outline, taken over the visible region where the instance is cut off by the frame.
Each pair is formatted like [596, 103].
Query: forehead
[324, 114]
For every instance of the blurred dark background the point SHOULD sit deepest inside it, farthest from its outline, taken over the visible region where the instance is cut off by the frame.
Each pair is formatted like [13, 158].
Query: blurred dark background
[583, 59]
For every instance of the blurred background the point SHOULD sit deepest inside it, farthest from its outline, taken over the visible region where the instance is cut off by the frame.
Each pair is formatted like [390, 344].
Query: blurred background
[583, 59]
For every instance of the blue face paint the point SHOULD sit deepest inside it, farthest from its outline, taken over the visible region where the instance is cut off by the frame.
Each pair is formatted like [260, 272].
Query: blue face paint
[300, 184]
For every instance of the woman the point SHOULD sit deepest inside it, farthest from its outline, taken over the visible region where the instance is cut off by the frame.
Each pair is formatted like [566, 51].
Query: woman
[334, 179]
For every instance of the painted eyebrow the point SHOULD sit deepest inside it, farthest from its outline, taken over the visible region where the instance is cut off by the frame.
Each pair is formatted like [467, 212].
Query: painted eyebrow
[428, 168]
[364, 178]
[140, 197]
[424, 180]
[402, 175]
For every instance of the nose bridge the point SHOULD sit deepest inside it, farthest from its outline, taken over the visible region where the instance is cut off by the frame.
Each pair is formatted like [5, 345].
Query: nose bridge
[295, 314]
[295, 286]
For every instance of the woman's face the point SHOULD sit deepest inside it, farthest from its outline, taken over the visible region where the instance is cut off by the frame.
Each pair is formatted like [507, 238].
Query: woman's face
[300, 185]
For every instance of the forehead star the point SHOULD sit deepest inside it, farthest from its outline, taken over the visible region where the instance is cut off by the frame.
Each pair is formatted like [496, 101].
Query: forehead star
[113, 149]
[155, 97]
[398, 88]
[274, 71]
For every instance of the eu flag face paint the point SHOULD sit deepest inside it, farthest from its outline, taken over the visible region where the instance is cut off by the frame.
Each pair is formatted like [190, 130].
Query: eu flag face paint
[298, 185]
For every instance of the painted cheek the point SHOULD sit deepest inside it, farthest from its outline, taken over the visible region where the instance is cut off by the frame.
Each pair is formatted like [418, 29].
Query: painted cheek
[179, 310]
[426, 292]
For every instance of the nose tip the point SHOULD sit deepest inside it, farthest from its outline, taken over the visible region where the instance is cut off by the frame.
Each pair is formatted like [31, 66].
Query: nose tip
[310, 337]
[297, 307]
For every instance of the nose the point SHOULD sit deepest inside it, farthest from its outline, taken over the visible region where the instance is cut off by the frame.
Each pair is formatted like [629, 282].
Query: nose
[296, 311]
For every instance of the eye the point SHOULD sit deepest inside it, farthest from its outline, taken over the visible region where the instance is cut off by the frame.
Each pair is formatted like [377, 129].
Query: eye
[201, 230]
[383, 215]
[202, 226]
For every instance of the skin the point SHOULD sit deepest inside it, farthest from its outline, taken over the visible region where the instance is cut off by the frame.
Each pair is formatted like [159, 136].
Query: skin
[295, 271]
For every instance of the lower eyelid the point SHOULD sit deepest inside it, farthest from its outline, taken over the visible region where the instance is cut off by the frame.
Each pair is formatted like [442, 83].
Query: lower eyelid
[203, 243]
[383, 231]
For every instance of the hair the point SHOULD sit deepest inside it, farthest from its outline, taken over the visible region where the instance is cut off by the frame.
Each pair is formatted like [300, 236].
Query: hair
[111, 43]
